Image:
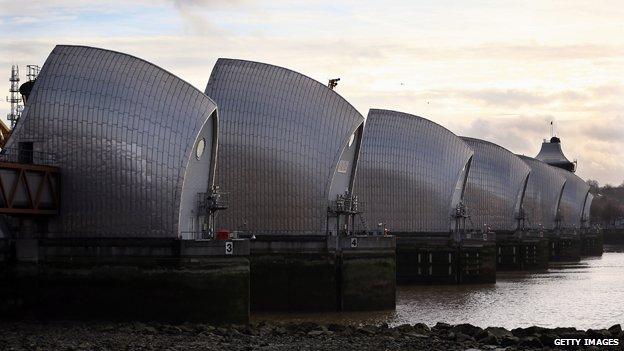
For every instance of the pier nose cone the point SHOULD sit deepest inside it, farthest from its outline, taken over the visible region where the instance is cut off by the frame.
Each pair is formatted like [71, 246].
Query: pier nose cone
[552, 154]
[25, 90]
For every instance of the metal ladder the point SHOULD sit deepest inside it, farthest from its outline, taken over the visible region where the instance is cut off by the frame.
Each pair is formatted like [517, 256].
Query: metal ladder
[363, 222]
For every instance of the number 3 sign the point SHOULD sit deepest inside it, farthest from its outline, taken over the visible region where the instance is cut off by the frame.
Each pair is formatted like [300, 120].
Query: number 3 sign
[229, 247]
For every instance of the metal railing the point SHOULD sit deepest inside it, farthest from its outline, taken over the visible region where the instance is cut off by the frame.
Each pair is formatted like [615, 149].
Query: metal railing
[477, 236]
[25, 156]
[346, 203]
[212, 201]
[205, 235]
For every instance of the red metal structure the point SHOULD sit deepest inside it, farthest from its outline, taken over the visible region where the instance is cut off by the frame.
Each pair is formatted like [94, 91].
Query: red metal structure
[29, 189]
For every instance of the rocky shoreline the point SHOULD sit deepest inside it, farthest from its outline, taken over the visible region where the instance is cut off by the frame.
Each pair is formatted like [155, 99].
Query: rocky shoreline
[289, 336]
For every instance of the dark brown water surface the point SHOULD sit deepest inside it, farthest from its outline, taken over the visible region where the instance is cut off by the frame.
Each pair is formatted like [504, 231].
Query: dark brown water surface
[588, 294]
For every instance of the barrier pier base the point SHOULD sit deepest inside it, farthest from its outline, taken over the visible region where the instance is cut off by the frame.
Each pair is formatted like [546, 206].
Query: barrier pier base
[521, 253]
[564, 247]
[323, 273]
[128, 279]
[438, 260]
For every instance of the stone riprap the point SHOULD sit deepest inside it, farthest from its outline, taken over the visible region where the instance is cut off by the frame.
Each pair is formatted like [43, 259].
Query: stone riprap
[299, 336]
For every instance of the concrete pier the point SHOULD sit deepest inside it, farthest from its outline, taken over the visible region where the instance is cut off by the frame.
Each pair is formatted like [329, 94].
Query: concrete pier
[521, 252]
[129, 279]
[323, 273]
[592, 242]
[4, 251]
[477, 264]
[564, 246]
[5, 277]
[613, 236]
[367, 273]
[440, 260]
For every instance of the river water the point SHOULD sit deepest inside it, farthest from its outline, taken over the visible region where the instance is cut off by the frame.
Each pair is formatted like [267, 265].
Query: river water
[588, 294]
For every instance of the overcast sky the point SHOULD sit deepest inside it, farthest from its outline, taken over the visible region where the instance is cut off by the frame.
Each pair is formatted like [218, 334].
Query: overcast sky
[496, 70]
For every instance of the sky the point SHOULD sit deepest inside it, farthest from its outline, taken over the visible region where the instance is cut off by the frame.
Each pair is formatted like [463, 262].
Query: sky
[495, 70]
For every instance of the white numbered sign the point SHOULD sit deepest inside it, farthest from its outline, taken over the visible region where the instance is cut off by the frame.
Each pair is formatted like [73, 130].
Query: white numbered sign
[229, 247]
[484, 236]
[354, 242]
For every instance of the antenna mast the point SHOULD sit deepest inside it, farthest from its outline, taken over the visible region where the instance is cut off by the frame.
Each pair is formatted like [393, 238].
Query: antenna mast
[14, 98]
[33, 72]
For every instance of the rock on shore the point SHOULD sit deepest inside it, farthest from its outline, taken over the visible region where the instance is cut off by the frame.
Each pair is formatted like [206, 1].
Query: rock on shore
[288, 336]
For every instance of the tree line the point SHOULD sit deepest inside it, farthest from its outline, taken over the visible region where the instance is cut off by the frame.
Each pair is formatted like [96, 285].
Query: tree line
[608, 206]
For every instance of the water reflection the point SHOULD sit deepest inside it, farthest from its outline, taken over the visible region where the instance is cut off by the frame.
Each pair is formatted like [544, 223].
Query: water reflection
[584, 295]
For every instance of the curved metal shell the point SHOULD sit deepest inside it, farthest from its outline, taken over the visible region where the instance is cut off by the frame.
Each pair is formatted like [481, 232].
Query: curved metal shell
[411, 173]
[123, 132]
[572, 200]
[282, 137]
[542, 195]
[587, 208]
[495, 188]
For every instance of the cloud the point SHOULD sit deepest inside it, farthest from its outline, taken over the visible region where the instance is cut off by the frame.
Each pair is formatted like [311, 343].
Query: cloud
[198, 16]
[595, 143]
[51, 18]
[610, 130]
[12, 8]
[211, 4]
[493, 72]
[505, 97]
[591, 98]
[519, 134]
[546, 52]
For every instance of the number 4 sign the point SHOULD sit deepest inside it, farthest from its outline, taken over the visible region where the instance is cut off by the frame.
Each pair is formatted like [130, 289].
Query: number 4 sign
[354, 242]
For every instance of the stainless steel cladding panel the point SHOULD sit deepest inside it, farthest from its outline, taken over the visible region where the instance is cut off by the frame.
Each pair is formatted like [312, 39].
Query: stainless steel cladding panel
[572, 200]
[543, 195]
[496, 183]
[123, 132]
[281, 138]
[410, 172]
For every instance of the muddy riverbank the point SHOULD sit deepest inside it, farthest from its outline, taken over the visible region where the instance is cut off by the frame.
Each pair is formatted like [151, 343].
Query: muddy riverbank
[291, 336]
